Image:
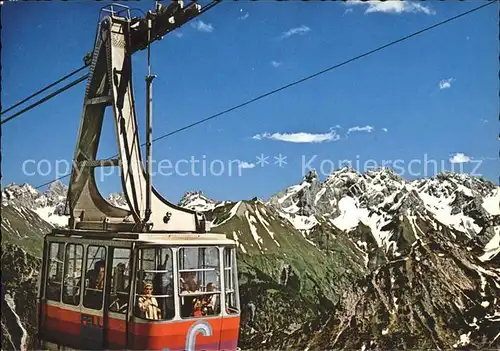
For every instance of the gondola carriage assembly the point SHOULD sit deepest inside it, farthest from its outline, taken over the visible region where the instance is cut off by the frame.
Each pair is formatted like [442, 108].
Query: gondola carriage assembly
[150, 276]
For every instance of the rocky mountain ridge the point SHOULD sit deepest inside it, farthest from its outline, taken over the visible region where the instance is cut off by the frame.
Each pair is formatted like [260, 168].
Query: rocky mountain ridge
[49, 205]
[380, 198]
[358, 261]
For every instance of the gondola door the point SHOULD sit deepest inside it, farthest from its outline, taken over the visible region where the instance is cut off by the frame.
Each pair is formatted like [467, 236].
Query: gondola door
[115, 312]
[231, 307]
[95, 277]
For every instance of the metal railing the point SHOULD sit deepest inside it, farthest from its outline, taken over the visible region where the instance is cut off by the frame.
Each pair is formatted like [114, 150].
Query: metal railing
[115, 13]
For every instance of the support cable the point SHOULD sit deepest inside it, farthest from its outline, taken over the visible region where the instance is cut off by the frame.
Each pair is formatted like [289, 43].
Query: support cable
[44, 89]
[87, 63]
[50, 96]
[306, 78]
[320, 72]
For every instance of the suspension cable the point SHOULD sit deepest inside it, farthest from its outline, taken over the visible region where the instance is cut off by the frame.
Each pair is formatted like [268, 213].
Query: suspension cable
[304, 79]
[206, 8]
[321, 72]
[50, 96]
[44, 89]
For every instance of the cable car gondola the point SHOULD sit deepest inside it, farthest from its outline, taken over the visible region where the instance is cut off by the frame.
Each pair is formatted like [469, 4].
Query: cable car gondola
[139, 291]
[151, 276]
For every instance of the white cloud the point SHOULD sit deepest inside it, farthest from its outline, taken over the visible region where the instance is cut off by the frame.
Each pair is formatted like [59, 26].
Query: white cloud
[298, 30]
[482, 120]
[202, 26]
[244, 164]
[244, 17]
[392, 6]
[275, 64]
[360, 129]
[347, 11]
[487, 158]
[446, 83]
[178, 34]
[460, 158]
[301, 137]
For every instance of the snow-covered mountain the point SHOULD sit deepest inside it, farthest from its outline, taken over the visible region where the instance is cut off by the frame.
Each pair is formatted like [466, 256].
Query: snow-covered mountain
[357, 261]
[374, 198]
[378, 198]
[344, 201]
[118, 200]
[49, 205]
[197, 201]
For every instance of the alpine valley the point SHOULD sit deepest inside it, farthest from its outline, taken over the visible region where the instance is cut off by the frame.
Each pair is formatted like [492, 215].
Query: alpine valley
[354, 261]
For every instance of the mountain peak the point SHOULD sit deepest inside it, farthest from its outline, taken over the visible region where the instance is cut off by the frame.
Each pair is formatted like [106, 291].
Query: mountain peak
[311, 176]
[13, 191]
[58, 188]
[344, 172]
[382, 170]
[197, 201]
[118, 200]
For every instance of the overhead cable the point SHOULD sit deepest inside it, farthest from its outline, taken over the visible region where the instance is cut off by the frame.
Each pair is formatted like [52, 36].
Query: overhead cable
[206, 8]
[305, 78]
[50, 96]
[44, 89]
[320, 72]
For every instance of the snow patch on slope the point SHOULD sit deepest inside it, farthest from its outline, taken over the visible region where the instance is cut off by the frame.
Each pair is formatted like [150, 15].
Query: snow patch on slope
[292, 191]
[301, 223]
[238, 244]
[376, 222]
[414, 226]
[48, 215]
[232, 213]
[350, 214]
[266, 225]
[319, 194]
[253, 229]
[492, 248]
[197, 201]
[12, 305]
[491, 203]
[441, 209]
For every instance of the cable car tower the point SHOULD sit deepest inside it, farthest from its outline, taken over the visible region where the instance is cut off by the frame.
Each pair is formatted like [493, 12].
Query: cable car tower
[151, 276]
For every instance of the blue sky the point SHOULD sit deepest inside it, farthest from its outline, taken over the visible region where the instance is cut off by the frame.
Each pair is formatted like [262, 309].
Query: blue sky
[433, 98]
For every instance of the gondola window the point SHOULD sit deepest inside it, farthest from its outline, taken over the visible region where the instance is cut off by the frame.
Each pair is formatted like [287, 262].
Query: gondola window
[95, 277]
[55, 271]
[199, 286]
[120, 280]
[154, 297]
[230, 277]
[73, 261]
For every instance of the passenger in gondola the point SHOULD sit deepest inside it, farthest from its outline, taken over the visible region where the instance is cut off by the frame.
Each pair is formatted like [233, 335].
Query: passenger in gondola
[96, 276]
[95, 286]
[147, 304]
[119, 290]
[188, 282]
[210, 300]
[163, 285]
[99, 282]
[188, 286]
[198, 308]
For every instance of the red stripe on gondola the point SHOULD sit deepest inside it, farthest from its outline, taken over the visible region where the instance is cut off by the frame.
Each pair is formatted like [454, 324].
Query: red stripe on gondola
[65, 326]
